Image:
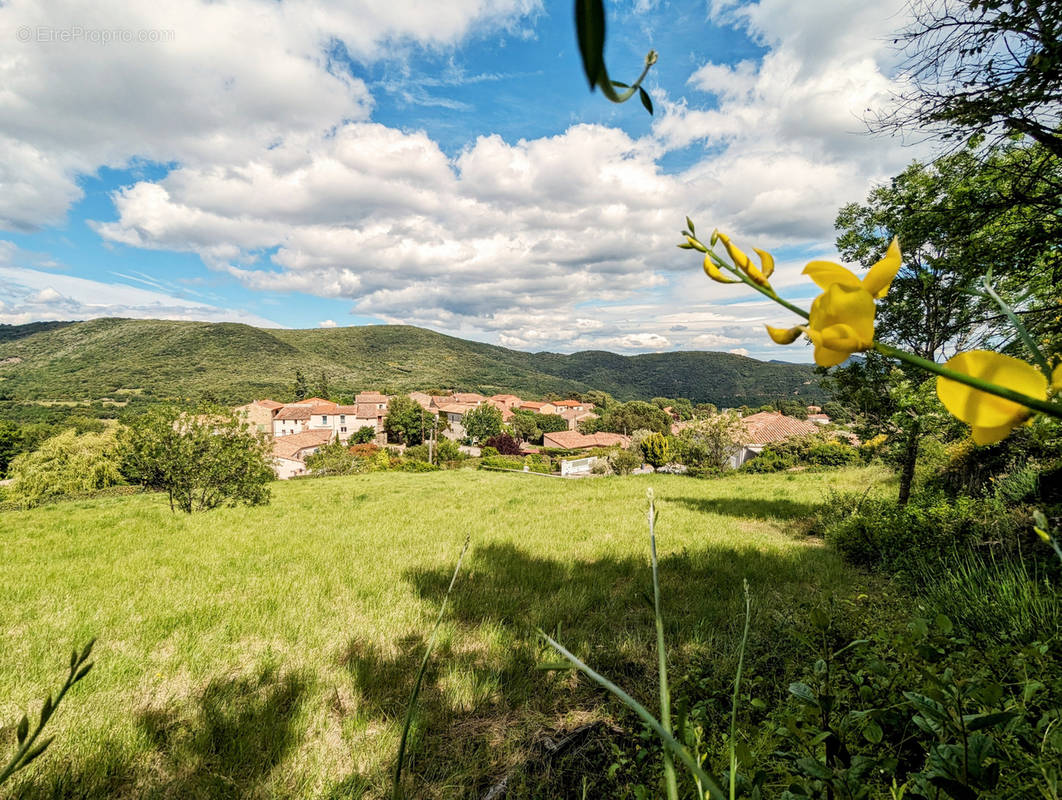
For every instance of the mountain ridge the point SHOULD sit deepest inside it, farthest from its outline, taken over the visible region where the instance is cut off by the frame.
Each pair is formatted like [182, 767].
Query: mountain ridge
[235, 362]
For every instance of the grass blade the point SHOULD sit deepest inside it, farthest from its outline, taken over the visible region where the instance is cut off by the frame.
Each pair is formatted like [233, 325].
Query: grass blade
[661, 656]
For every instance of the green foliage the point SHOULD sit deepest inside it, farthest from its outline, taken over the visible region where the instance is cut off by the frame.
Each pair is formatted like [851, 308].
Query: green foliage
[28, 749]
[65, 465]
[626, 418]
[792, 408]
[10, 444]
[406, 422]
[881, 534]
[708, 442]
[624, 461]
[301, 389]
[482, 422]
[363, 435]
[768, 461]
[813, 450]
[522, 424]
[447, 450]
[656, 450]
[200, 460]
[153, 360]
[550, 423]
[335, 458]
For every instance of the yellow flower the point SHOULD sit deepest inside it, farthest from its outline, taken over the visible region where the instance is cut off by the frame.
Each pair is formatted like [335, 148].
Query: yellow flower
[841, 321]
[744, 263]
[990, 418]
[713, 271]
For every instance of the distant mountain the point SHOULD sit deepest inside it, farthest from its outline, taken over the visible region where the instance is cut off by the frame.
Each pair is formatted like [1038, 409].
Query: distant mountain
[236, 363]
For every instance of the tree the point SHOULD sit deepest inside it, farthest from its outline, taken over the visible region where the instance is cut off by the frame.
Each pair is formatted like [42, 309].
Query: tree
[636, 415]
[505, 444]
[655, 449]
[793, 408]
[300, 390]
[710, 441]
[482, 422]
[523, 425]
[10, 444]
[363, 435]
[65, 464]
[200, 460]
[335, 458]
[406, 422]
[550, 423]
[982, 68]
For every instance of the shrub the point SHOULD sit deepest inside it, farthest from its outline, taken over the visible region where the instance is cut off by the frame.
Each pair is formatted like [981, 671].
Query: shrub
[833, 453]
[418, 452]
[448, 450]
[66, 464]
[488, 452]
[335, 459]
[504, 444]
[363, 435]
[768, 461]
[878, 533]
[409, 465]
[624, 461]
[656, 450]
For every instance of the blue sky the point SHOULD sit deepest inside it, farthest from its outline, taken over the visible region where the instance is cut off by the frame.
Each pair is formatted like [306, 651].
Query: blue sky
[306, 163]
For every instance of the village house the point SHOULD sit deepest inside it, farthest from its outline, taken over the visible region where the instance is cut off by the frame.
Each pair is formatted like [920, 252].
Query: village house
[574, 417]
[573, 405]
[470, 398]
[539, 407]
[453, 414]
[259, 414]
[766, 427]
[290, 452]
[503, 401]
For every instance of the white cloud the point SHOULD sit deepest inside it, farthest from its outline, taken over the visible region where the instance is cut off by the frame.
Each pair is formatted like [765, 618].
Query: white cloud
[739, 351]
[225, 80]
[327, 323]
[28, 295]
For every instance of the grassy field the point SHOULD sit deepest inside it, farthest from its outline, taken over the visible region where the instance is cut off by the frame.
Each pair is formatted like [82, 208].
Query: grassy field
[269, 652]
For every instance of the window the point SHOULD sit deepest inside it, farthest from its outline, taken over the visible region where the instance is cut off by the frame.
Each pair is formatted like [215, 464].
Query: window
[343, 419]
[324, 420]
[343, 430]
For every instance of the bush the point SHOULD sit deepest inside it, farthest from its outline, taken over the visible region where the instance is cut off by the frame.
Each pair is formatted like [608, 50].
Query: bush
[833, 453]
[363, 435]
[768, 461]
[880, 534]
[418, 452]
[488, 452]
[448, 450]
[623, 461]
[64, 465]
[656, 450]
[504, 444]
[414, 465]
[335, 459]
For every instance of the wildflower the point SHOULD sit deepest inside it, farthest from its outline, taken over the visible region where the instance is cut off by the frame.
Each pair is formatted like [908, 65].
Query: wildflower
[744, 263]
[841, 321]
[991, 418]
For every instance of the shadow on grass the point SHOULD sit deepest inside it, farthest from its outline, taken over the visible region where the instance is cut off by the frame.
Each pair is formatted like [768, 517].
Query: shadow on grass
[752, 508]
[226, 742]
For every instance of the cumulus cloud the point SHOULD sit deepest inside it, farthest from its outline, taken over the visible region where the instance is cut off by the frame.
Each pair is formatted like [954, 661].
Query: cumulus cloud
[327, 323]
[212, 82]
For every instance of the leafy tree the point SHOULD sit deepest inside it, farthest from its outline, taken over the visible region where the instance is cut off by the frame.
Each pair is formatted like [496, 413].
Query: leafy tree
[983, 68]
[793, 408]
[710, 441]
[201, 460]
[482, 422]
[363, 435]
[65, 464]
[656, 450]
[626, 418]
[301, 389]
[550, 423]
[624, 461]
[406, 422]
[523, 426]
[335, 458]
[835, 411]
[10, 444]
[505, 444]
[600, 400]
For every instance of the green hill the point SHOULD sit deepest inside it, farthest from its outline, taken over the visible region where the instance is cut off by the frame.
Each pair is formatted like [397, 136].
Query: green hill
[235, 363]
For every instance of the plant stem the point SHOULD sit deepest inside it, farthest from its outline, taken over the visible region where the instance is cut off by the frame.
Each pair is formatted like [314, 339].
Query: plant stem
[1043, 406]
[397, 790]
[769, 293]
[1019, 326]
[661, 654]
[737, 688]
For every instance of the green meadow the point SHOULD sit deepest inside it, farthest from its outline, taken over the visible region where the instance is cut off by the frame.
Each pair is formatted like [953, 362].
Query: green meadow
[269, 652]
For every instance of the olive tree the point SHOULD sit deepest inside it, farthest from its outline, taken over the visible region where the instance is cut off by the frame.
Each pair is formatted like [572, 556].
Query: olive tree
[200, 460]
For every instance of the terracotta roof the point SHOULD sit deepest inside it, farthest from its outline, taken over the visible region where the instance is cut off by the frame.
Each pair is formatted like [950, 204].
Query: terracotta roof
[293, 412]
[368, 411]
[568, 403]
[534, 405]
[421, 399]
[346, 409]
[818, 417]
[456, 408]
[468, 397]
[272, 405]
[371, 397]
[291, 446]
[573, 440]
[313, 401]
[814, 409]
[504, 397]
[774, 426]
[325, 408]
[578, 416]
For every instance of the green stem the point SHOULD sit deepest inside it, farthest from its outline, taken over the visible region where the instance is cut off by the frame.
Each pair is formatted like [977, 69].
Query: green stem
[1043, 406]
[661, 654]
[669, 741]
[737, 688]
[769, 293]
[606, 84]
